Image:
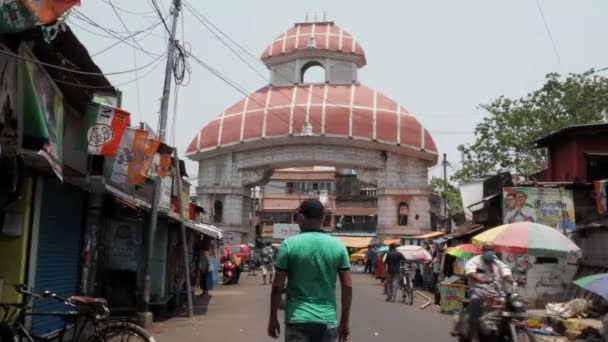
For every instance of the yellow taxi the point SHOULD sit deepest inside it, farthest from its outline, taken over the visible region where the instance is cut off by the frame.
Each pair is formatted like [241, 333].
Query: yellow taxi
[359, 258]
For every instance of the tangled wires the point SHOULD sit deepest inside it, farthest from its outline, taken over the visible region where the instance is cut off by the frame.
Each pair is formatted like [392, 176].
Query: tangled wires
[180, 66]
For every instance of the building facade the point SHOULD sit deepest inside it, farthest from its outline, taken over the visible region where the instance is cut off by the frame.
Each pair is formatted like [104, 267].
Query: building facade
[297, 122]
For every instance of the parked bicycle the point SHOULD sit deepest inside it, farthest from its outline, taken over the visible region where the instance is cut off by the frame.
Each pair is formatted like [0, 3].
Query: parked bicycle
[407, 286]
[88, 319]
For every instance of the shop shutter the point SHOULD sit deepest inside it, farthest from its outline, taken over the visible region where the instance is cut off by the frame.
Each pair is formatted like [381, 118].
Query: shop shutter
[59, 250]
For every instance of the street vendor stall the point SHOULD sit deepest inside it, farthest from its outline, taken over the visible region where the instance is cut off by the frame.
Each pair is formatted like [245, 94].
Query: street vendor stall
[453, 289]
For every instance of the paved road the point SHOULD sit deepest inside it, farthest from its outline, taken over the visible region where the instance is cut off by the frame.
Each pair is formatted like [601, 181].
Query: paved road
[240, 313]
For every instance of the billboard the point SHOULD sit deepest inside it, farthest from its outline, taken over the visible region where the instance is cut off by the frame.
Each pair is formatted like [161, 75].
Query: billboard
[549, 206]
[284, 230]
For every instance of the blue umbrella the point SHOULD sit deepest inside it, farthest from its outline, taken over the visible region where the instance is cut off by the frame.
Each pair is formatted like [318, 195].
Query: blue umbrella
[383, 249]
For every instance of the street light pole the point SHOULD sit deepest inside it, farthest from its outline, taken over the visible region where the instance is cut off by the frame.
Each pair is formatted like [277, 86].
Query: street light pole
[162, 128]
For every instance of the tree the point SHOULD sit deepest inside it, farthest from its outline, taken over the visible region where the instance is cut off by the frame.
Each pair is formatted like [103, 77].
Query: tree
[504, 138]
[452, 195]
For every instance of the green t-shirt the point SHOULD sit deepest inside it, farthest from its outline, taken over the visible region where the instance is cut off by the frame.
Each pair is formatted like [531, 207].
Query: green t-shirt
[312, 260]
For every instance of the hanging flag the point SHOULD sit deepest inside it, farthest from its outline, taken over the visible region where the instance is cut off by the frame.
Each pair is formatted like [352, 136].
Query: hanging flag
[149, 166]
[601, 196]
[48, 11]
[164, 163]
[129, 157]
[42, 107]
[105, 126]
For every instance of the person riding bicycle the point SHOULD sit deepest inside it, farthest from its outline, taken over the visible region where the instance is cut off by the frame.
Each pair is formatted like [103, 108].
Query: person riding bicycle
[481, 271]
[267, 263]
[406, 273]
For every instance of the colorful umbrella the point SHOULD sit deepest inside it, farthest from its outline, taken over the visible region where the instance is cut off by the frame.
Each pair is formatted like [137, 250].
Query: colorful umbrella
[414, 253]
[597, 283]
[466, 250]
[527, 237]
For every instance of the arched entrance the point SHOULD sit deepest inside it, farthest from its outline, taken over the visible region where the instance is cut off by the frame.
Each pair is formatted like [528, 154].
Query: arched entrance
[342, 123]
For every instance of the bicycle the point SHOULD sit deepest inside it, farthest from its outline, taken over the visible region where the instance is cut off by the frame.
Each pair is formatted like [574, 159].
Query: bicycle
[407, 287]
[94, 311]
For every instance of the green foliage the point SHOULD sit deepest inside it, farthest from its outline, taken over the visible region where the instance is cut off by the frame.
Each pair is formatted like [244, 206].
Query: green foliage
[503, 139]
[452, 195]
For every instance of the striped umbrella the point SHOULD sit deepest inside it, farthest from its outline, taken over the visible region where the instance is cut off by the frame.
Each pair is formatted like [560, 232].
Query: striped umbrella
[597, 283]
[527, 237]
[466, 250]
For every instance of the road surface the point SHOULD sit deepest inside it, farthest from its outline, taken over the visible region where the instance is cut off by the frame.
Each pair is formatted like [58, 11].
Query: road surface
[240, 313]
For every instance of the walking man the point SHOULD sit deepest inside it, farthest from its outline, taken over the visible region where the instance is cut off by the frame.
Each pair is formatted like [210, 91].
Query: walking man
[310, 263]
[267, 263]
[392, 266]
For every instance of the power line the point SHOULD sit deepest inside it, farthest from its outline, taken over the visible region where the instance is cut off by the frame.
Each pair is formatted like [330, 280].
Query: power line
[3, 52]
[80, 85]
[553, 44]
[123, 24]
[112, 33]
[122, 39]
[129, 11]
[160, 14]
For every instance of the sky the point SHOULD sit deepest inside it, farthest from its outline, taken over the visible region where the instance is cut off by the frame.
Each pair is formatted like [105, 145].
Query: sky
[439, 59]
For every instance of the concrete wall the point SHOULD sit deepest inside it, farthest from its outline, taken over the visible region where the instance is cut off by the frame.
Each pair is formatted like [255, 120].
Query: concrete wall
[13, 251]
[399, 178]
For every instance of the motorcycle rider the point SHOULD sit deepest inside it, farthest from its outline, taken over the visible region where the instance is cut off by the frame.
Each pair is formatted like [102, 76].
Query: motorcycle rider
[481, 270]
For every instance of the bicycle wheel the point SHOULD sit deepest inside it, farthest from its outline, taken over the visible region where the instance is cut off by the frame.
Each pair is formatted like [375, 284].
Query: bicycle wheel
[121, 332]
[410, 295]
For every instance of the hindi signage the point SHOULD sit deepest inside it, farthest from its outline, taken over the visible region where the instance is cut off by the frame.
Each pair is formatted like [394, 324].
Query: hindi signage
[285, 230]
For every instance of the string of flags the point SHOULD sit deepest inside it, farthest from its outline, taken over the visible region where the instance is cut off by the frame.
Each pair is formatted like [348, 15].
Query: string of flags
[137, 153]
[21, 15]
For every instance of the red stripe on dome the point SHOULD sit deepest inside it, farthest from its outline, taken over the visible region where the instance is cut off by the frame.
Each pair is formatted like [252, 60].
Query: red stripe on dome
[386, 126]
[209, 134]
[277, 122]
[410, 131]
[253, 125]
[229, 132]
[363, 123]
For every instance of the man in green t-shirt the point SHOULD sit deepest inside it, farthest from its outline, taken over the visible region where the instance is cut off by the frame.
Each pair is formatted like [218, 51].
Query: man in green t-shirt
[310, 262]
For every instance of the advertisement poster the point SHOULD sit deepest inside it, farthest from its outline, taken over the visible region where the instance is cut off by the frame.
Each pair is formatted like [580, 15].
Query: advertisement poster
[519, 264]
[451, 298]
[553, 207]
[284, 230]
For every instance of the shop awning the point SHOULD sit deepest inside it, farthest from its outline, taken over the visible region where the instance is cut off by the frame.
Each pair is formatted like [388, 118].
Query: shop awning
[392, 241]
[356, 242]
[205, 229]
[432, 235]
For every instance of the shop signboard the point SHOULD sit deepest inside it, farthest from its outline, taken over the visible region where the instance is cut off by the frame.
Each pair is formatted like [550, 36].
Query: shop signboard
[553, 207]
[459, 265]
[282, 231]
[451, 297]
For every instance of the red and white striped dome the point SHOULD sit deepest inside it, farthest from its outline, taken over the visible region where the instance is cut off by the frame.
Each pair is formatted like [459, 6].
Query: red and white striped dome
[351, 111]
[327, 36]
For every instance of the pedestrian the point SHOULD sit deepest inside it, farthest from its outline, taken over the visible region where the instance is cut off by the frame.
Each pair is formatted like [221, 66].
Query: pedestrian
[310, 262]
[267, 263]
[373, 256]
[368, 260]
[392, 265]
[204, 267]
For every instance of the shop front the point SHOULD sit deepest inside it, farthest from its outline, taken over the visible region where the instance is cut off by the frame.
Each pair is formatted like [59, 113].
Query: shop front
[56, 247]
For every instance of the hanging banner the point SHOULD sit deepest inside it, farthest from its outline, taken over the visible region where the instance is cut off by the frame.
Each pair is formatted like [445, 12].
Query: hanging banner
[105, 126]
[549, 206]
[165, 197]
[601, 196]
[151, 161]
[129, 157]
[42, 112]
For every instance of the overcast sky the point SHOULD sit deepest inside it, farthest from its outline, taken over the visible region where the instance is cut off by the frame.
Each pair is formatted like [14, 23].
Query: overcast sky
[439, 59]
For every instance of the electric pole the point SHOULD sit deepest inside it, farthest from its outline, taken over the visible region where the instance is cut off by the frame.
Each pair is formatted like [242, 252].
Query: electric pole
[162, 128]
[444, 163]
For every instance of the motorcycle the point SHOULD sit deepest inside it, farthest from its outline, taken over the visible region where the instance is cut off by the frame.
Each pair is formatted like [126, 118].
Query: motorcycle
[503, 318]
[229, 272]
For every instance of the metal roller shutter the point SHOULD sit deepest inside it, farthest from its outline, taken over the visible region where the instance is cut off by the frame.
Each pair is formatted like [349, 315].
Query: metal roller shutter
[59, 250]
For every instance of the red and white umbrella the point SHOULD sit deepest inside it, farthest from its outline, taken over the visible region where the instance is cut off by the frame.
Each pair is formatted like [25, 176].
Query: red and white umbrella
[414, 253]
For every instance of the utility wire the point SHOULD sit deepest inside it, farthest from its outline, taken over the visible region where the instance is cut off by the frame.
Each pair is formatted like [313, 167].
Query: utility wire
[81, 16]
[3, 52]
[553, 44]
[124, 25]
[122, 39]
[80, 85]
[129, 11]
[160, 14]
